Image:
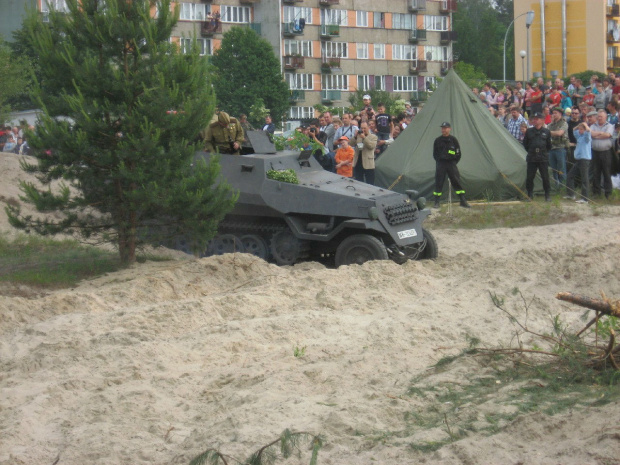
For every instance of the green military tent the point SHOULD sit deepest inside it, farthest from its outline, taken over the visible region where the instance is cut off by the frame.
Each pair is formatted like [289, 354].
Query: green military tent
[492, 164]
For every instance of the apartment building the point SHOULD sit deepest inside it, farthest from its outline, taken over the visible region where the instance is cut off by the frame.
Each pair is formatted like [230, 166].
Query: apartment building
[331, 48]
[567, 37]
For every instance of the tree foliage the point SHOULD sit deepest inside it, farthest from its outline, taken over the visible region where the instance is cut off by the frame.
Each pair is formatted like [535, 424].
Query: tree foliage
[471, 75]
[481, 27]
[124, 163]
[14, 79]
[245, 71]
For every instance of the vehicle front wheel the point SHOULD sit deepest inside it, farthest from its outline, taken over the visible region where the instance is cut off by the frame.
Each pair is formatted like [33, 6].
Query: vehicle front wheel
[360, 248]
[430, 250]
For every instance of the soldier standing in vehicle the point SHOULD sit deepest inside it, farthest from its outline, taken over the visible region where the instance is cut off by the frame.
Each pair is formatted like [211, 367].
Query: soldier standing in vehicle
[537, 142]
[447, 153]
[224, 135]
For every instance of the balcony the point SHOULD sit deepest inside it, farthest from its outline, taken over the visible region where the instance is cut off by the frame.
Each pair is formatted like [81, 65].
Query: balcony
[445, 67]
[249, 2]
[293, 62]
[418, 96]
[292, 1]
[418, 66]
[256, 27]
[329, 2]
[297, 96]
[330, 96]
[289, 29]
[330, 30]
[447, 6]
[416, 35]
[417, 5]
[208, 28]
[613, 10]
[330, 64]
[614, 62]
[447, 36]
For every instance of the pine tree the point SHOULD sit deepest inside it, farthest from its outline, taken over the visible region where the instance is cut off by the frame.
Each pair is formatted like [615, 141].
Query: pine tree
[122, 109]
[246, 71]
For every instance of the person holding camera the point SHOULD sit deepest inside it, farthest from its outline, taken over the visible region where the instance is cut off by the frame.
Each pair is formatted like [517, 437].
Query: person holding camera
[322, 154]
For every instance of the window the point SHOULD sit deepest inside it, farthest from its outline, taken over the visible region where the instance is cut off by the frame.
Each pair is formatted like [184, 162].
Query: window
[405, 83]
[430, 83]
[235, 14]
[363, 82]
[362, 18]
[334, 49]
[334, 17]
[435, 23]
[378, 20]
[436, 53]
[194, 11]
[291, 13]
[362, 51]
[301, 112]
[204, 45]
[379, 51]
[380, 82]
[335, 82]
[53, 5]
[299, 81]
[404, 21]
[404, 52]
[298, 47]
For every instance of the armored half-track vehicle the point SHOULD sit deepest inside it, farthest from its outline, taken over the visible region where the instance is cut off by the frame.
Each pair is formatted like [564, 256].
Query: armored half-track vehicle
[323, 217]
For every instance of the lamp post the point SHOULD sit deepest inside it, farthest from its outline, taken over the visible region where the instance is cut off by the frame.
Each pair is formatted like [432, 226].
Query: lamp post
[528, 22]
[523, 54]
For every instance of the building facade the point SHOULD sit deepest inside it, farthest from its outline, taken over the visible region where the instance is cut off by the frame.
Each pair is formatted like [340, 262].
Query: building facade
[331, 48]
[567, 37]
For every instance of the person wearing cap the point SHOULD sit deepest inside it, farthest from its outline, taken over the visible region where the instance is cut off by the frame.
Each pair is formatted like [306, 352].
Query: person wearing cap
[408, 109]
[224, 136]
[447, 154]
[368, 110]
[537, 143]
[559, 143]
[344, 158]
[364, 159]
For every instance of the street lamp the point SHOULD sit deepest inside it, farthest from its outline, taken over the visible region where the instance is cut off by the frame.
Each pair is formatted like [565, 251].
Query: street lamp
[528, 22]
[523, 54]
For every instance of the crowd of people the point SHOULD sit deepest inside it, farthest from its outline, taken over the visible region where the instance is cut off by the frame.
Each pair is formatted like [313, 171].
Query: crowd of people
[12, 140]
[572, 130]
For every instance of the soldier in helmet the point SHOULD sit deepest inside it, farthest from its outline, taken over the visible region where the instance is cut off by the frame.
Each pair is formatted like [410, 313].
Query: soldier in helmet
[224, 135]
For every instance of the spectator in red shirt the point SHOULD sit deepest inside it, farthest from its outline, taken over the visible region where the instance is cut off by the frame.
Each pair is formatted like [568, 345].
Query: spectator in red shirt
[588, 99]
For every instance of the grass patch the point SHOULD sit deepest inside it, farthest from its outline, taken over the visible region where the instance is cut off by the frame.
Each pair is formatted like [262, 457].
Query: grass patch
[488, 215]
[46, 263]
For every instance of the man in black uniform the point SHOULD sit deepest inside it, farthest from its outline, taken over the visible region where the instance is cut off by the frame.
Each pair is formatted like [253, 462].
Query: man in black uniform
[447, 153]
[537, 143]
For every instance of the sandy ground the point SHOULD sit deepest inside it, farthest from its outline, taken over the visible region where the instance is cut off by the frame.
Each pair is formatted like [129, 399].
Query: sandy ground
[155, 364]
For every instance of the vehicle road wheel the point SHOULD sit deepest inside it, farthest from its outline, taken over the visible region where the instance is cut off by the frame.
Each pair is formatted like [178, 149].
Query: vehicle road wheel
[286, 249]
[225, 243]
[360, 248]
[255, 245]
[430, 250]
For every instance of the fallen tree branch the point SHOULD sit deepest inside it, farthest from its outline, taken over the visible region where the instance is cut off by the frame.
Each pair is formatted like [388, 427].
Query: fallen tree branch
[606, 306]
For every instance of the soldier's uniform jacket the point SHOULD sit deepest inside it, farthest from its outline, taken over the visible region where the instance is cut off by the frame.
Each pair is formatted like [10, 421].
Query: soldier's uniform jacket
[447, 148]
[218, 138]
[537, 142]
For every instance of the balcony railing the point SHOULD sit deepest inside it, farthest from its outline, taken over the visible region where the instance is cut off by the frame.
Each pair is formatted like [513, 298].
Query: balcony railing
[330, 30]
[418, 96]
[447, 6]
[447, 37]
[418, 66]
[298, 95]
[417, 35]
[208, 28]
[615, 62]
[329, 96]
[256, 27]
[293, 62]
[291, 29]
[329, 64]
[329, 2]
[249, 1]
[613, 10]
[417, 5]
[292, 1]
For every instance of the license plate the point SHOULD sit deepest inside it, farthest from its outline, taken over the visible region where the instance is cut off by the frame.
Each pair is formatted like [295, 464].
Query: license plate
[407, 233]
